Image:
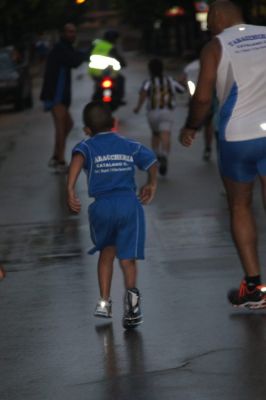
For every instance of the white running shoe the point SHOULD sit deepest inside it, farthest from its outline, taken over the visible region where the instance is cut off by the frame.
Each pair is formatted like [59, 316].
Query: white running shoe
[103, 309]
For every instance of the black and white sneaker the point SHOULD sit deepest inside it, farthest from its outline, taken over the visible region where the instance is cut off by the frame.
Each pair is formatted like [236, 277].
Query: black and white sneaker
[132, 312]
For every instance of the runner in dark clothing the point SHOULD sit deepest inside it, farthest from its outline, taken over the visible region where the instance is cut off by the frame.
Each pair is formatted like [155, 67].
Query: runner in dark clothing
[56, 91]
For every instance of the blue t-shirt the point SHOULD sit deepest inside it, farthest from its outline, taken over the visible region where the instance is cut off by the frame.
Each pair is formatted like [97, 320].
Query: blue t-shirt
[110, 161]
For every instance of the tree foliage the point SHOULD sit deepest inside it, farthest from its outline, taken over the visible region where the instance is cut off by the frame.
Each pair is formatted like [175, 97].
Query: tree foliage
[20, 17]
[139, 11]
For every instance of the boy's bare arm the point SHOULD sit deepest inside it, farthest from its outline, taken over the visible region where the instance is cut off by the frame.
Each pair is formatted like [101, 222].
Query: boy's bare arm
[75, 167]
[147, 192]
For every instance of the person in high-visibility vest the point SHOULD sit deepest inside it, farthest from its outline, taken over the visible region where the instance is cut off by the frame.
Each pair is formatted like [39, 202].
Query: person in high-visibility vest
[105, 59]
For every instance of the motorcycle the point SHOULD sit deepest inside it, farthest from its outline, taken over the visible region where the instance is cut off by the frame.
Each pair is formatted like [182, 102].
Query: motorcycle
[106, 90]
[109, 86]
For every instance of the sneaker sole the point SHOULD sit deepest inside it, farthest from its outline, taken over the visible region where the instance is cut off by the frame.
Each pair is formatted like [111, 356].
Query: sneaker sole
[131, 324]
[252, 305]
[102, 315]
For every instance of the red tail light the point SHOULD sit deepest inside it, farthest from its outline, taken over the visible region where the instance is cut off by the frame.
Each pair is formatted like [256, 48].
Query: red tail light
[107, 99]
[107, 83]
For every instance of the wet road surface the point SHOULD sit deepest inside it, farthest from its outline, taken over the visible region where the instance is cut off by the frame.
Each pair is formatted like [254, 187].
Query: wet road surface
[192, 345]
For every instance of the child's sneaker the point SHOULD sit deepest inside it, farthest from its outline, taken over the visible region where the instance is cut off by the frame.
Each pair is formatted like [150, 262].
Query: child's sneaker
[103, 309]
[52, 162]
[132, 313]
[244, 297]
[163, 165]
[61, 167]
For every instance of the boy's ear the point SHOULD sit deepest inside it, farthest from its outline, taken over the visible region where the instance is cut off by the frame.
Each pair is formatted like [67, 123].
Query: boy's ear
[87, 130]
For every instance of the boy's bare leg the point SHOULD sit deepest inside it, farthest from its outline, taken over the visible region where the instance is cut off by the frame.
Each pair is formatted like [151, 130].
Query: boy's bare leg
[263, 190]
[105, 271]
[129, 268]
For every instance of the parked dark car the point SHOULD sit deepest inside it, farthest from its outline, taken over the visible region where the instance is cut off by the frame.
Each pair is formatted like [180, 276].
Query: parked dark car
[15, 80]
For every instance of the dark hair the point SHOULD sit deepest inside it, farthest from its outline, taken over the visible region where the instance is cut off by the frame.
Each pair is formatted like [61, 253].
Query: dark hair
[67, 24]
[155, 67]
[111, 35]
[98, 117]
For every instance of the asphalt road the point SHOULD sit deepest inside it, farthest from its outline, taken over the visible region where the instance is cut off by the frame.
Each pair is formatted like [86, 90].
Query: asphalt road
[192, 344]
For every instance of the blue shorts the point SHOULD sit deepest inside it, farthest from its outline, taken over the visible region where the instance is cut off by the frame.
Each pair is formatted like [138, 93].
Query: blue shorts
[242, 161]
[118, 220]
[48, 105]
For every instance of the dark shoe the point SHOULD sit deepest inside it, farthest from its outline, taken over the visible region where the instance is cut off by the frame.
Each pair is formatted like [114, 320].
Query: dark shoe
[132, 313]
[61, 167]
[163, 165]
[244, 297]
[52, 162]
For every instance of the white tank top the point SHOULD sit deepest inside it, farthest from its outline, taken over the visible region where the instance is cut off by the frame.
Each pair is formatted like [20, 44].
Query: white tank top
[241, 83]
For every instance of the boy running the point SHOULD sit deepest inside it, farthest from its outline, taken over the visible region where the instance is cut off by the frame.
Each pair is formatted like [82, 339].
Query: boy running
[116, 216]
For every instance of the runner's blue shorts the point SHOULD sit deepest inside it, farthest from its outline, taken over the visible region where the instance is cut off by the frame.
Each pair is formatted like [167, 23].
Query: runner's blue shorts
[117, 219]
[48, 105]
[242, 161]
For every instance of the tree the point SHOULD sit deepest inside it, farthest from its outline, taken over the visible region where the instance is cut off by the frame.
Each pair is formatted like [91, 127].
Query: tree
[18, 18]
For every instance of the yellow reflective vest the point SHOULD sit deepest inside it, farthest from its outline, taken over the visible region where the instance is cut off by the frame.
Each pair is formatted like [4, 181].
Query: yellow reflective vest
[101, 48]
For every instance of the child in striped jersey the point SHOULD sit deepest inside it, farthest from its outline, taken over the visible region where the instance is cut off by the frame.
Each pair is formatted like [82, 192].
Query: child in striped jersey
[159, 92]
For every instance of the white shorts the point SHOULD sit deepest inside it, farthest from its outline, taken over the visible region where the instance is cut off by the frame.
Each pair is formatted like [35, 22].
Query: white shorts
[160, 120]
